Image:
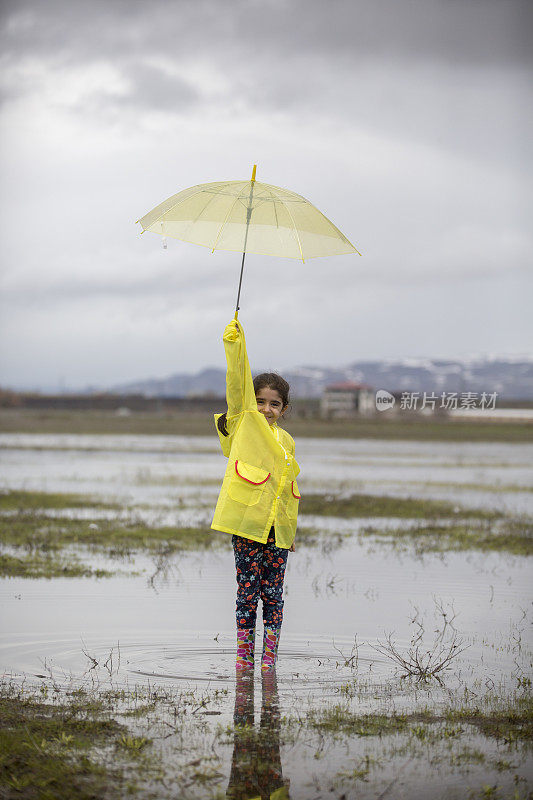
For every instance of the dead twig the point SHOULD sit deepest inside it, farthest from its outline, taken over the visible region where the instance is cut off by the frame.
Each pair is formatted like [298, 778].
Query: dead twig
[351, 661]
[418, 661]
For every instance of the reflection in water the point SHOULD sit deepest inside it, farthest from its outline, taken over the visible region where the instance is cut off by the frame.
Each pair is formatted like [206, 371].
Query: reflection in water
[256, 772]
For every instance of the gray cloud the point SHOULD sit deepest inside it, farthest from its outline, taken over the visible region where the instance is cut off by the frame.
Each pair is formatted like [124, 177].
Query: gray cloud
[153, 88]
[452, 74]
[478, 31]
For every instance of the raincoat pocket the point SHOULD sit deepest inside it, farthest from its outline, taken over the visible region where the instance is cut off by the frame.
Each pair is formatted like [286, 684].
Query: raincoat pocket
[294, 500]
[247, 483]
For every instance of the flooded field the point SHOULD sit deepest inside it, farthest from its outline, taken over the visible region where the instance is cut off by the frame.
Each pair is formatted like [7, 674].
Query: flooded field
[412, 558]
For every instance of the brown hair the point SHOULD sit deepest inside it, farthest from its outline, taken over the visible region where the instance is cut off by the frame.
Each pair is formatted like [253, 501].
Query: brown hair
[266, 380]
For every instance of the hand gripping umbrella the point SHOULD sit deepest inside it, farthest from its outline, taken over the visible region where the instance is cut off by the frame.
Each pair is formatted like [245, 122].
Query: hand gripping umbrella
[247, 217]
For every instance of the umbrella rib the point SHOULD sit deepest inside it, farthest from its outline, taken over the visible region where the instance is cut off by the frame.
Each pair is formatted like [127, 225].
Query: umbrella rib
[201, 188]
[324, 217]
[274, 198]
[295, 228]
[158, 219]
[274, 201]
[215, 195]
[225, 220]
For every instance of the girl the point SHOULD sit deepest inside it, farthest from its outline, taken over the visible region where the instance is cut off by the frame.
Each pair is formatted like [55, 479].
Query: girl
[258, 501]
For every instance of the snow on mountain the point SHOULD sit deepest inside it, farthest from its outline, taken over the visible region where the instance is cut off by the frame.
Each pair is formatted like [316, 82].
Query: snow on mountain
[509, 377]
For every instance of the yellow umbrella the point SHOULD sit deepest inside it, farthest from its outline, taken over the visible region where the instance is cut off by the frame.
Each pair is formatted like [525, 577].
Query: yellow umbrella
[247, 217]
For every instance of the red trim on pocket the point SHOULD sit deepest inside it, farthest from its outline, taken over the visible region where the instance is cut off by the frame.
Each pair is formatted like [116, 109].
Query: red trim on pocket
[255, 483]
[297, 496]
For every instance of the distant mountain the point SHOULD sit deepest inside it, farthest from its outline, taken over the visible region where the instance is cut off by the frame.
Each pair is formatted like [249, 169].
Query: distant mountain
[210, 381]
[510, 378]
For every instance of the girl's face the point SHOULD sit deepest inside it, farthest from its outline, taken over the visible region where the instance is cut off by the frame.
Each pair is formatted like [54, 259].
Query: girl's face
[270, 404]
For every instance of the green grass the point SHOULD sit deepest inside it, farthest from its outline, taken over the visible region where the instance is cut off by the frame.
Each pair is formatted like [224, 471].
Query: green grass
[514, 723]
[482, 487]
[39, 539]
[34, 541]
[37, 565]
[24, 420]
[57, 745]
[93, 742]
[13, 500]
[337, 719]
[37, 531]
[509, 724]
[368, 505]
[514, 536]
[47, 751]
[417, 429]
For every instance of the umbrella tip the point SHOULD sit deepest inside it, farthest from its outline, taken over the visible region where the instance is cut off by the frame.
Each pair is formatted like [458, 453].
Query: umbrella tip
[253, 172]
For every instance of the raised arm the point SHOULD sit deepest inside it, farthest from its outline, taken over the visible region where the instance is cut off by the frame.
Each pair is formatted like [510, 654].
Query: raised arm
[240, 393]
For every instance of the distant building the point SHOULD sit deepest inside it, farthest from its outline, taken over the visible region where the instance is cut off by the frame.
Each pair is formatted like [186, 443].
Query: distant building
[346, 399]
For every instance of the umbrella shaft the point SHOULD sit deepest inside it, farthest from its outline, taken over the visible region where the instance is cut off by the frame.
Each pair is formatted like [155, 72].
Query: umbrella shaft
[248, 217]
[240, 282]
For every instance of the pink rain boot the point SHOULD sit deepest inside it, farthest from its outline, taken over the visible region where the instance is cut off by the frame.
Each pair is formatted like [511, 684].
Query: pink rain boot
[245, 649]
[270, 648]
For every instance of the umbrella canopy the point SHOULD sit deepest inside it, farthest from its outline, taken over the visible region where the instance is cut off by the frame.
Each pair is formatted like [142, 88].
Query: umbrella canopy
[248, 216]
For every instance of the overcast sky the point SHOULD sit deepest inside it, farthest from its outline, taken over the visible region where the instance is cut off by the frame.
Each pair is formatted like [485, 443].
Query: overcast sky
[407, 122]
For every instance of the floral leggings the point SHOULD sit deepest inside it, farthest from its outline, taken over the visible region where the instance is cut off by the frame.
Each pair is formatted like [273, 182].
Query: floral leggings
[260, 572]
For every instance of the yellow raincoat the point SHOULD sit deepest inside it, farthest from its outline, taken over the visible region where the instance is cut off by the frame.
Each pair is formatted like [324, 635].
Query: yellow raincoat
[259, 488]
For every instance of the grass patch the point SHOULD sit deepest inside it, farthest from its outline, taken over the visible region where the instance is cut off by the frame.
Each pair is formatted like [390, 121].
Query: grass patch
[37, 531]
[50, 565]
[482, 487]
[514, 536]
[145, 478]
[92, 742]
[509, 724]
[413, 429]
[39, 539]
[47, 751]
[25, 420]
[141, 711]
[368, 505]
[14, 500]
[337, 719]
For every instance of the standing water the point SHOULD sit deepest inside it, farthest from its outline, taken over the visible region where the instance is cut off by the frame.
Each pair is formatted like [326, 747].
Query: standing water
[357, 591]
